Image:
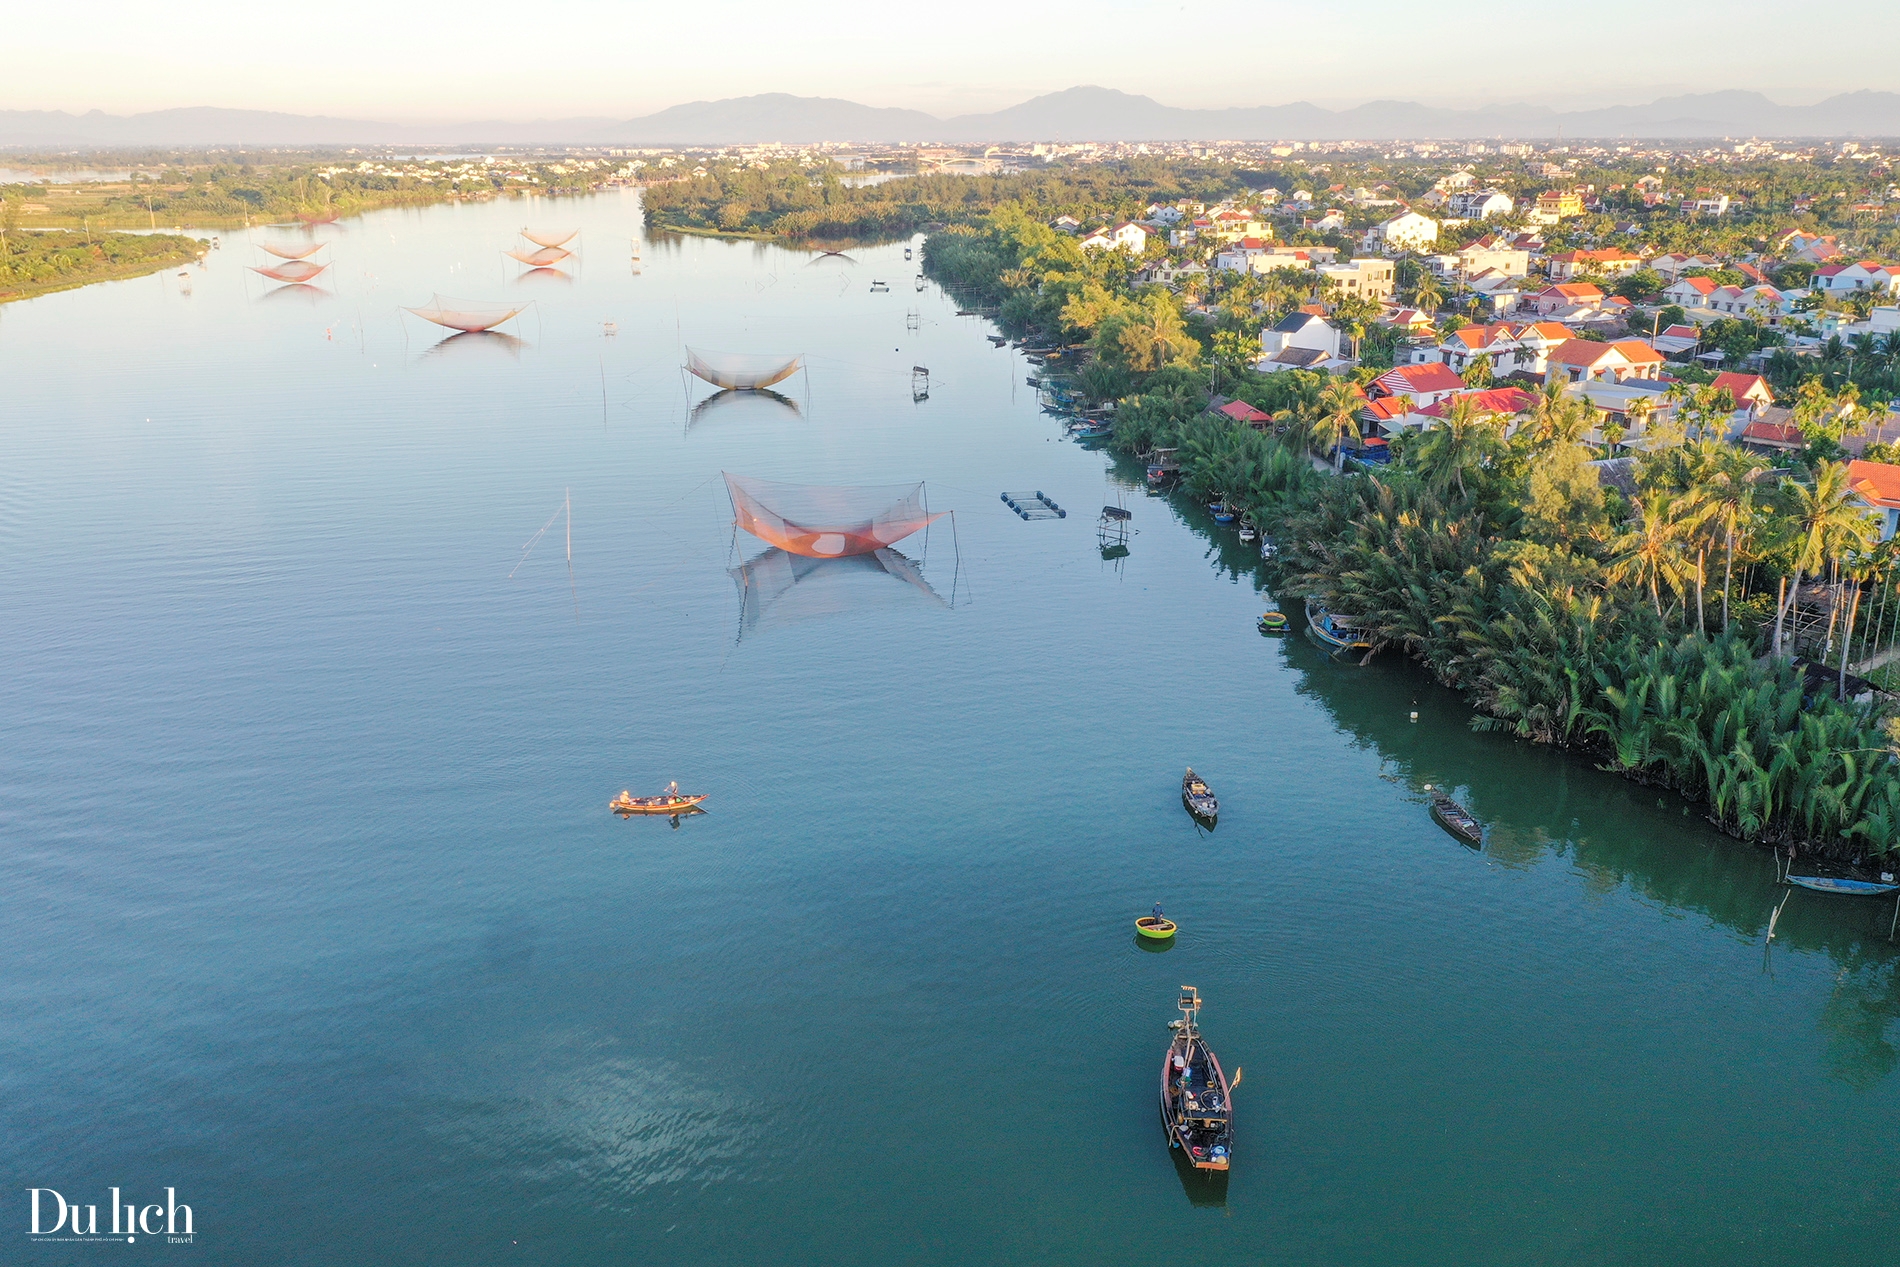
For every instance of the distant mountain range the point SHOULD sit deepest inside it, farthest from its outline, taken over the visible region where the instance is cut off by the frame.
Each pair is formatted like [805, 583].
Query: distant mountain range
[1077, 114]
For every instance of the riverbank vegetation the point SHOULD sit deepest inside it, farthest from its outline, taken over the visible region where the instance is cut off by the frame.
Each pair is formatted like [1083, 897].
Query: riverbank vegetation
[1690, 625]
[232, 194]
[790, 199]
[39, 263]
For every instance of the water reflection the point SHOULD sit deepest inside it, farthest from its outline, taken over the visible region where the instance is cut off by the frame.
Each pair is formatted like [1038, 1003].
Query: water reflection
[1539, 802]
[294, 293]
[730, 404]
[691, 811]
[779, 588]
[544, 278]
[1201, 1187]
[1152, 945]
[1855, 1020]
[474, 344]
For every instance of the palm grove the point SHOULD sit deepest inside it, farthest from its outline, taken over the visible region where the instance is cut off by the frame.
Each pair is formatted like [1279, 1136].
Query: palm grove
[1652, 628]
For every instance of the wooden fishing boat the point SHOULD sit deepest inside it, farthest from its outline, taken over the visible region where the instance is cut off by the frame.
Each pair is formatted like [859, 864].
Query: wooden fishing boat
[1248, 530]
[1455, 818]
[668, 802]
[1155, 927]
[1337, 633]
[1199, 798]
[1196, 1101]
[1849, 888]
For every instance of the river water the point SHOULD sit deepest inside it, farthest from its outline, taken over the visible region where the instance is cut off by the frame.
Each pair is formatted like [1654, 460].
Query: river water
[316, 915]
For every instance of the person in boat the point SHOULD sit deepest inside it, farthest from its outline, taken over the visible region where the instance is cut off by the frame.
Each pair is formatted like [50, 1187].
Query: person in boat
[673, 790]
[1159, 918]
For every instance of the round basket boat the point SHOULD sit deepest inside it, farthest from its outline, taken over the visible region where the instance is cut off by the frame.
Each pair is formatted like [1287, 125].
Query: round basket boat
[1157, 929]
[1273, 622]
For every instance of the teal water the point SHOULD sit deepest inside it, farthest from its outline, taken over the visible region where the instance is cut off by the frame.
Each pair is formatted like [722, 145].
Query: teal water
[315, 912]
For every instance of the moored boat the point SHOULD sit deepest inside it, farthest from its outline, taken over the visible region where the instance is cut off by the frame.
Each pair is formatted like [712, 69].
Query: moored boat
[1248, 530]
[1455, 818]
[1272, 622]
[1849, 888]
[1196, 1101]
[1337, 633]
[1199, 798]
[668, 802]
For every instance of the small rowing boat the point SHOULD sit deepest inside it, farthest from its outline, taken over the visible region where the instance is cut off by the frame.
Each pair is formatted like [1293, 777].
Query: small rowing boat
[1849, 888]
[1196, 1101]
[1199, 798]
[1337, 633]
[1157, 927]
[668, 802]
[1456, 819]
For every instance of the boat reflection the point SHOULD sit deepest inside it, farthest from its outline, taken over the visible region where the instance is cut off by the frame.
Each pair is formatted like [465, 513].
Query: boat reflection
[691, 811]
[1202, 1187]
[760, 402]
[471, 344]
[779, 588]
[1153, 945]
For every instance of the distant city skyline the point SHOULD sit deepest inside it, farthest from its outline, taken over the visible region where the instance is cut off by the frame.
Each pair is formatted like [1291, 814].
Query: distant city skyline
[402, 61]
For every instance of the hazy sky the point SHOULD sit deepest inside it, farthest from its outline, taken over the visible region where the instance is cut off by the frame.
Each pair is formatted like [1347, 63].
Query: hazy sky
[404, 60]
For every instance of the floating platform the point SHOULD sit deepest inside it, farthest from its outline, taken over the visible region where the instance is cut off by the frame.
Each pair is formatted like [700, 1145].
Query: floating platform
[1034, 505]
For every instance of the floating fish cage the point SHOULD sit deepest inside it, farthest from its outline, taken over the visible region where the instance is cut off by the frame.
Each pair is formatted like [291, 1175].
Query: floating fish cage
[1034, 505]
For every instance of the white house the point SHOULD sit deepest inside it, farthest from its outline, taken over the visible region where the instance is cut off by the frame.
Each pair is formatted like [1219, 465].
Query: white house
[1130, 235]
[1478, 204]
[1481, 257]
[1717, 206]
[1408, 231]
[1836, 279]
[1691, 292]
[1371, 279]
[1302, 341]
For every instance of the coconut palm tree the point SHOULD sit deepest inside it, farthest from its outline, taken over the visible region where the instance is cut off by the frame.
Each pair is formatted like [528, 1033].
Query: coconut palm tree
[1336, 419]
[1650, 554]
[1826, 526]
[1462, 441]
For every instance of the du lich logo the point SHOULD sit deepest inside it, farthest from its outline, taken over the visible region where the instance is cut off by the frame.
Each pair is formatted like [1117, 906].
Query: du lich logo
[53, 1218]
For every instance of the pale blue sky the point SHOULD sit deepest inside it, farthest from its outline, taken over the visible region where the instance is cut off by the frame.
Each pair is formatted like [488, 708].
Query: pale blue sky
[399, 59]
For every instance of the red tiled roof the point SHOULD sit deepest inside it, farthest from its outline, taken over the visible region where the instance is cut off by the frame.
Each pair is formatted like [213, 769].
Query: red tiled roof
[1433, 377]
[1773, 432]
[1637, 352]
[1387, 407]
[1701, 285]
[1744, 387]
[1495, 400]
[1241, 411]
[1579, 352]
[1876, 482]
[1680, 332]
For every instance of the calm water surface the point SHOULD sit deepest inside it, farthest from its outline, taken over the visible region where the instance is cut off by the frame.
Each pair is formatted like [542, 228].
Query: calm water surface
[315, 913]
